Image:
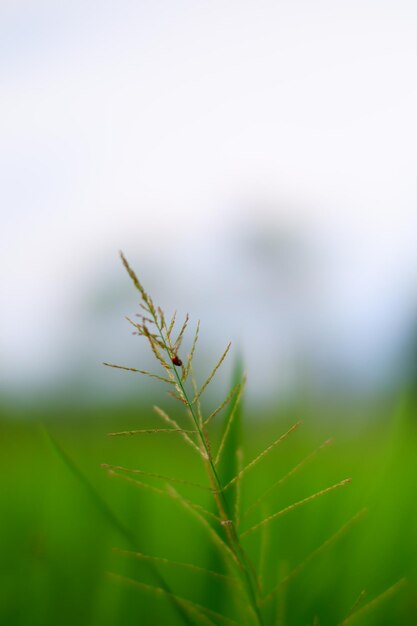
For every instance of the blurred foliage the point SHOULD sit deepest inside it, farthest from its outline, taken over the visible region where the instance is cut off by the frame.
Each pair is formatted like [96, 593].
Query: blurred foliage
[56, 543]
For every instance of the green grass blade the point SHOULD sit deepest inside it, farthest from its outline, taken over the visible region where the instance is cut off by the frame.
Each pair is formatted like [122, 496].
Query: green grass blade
[232, 415]
[227, 469]
[112, 519]
[228, 461]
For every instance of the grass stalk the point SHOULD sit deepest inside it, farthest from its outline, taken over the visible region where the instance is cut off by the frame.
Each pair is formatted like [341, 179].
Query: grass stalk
[224, 470]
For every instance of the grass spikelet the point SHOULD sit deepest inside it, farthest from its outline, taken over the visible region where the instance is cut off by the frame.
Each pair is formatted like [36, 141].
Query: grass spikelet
[225, 551]
[171, 325]
[149, 431]
[156, 347]
[262, 455]
[197, 508]
[288, 475]
[191, 355]
[237, 388]
[161, 318]
[355, 606]
[178, 341]
[169, 479]
[373, 604]
[209, 379]
[122, 367]
[170, 381]
[177, 564]
[198, 403]
[174, 424]
[291, 507]
[201, 613]
[148, 302]
[177, 396]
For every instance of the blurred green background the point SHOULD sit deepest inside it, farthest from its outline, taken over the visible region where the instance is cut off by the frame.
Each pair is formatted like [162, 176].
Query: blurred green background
[56, 544]
[255, 161]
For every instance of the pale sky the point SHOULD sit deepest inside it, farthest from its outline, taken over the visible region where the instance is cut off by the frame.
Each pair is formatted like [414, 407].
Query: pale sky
[153, 126]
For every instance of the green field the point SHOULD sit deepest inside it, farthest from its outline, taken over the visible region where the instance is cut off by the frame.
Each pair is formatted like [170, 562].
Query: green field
[57, 541]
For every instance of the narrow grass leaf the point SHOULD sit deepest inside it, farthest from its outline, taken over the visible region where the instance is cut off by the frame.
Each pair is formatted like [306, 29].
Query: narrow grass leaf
[281, 599]
[225, 471]
[229, 422]
[238, 486]
[102, 506]
[96, 498]
[264, 550]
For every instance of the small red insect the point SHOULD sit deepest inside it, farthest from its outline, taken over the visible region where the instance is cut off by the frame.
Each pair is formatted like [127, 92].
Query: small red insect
[176, 361]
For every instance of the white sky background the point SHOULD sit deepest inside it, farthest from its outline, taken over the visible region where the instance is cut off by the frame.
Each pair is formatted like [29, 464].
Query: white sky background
[168, 128]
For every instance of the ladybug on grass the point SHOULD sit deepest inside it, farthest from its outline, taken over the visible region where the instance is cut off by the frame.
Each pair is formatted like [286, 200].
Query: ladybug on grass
[176, 361]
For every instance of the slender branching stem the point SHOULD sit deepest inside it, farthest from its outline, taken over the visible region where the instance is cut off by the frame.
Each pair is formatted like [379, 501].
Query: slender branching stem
[161, 342]
[222, 523]
[218, 490]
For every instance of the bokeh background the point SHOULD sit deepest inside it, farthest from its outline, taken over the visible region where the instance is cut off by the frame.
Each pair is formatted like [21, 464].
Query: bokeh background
[255, 161]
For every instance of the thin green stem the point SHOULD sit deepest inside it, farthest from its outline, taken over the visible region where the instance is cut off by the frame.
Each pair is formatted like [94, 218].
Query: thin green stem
[218, 492]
